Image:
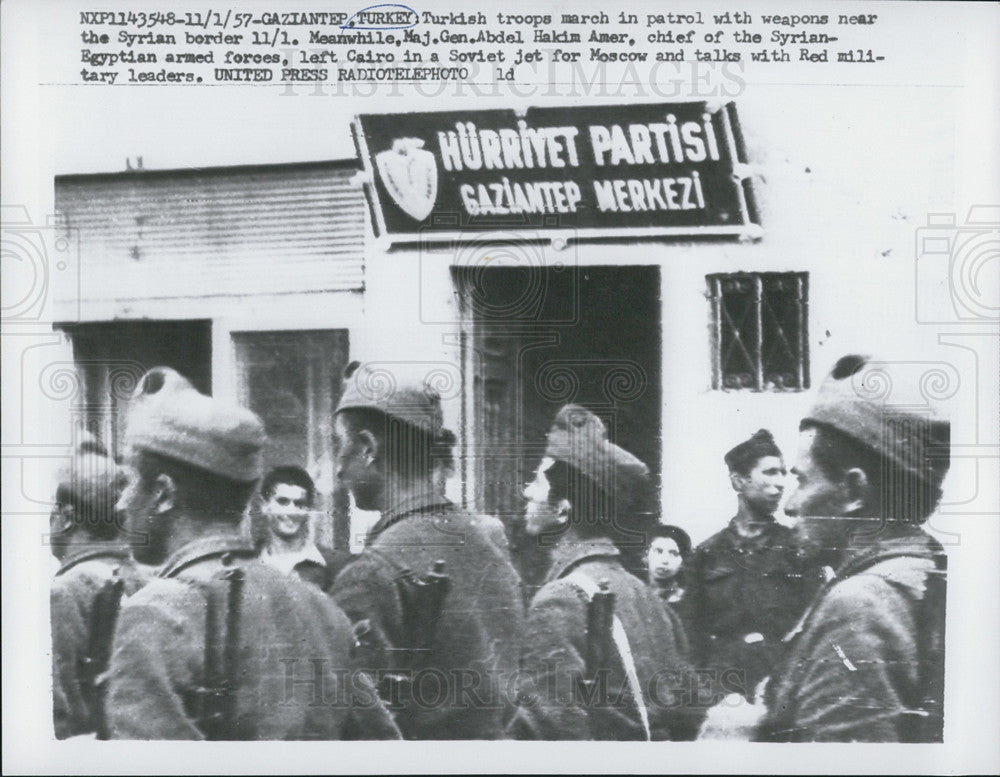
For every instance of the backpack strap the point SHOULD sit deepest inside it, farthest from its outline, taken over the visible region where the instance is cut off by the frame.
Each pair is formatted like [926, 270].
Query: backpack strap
[622, 646]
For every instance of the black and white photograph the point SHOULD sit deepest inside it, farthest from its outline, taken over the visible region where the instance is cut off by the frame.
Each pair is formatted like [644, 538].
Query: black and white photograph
[550, 389]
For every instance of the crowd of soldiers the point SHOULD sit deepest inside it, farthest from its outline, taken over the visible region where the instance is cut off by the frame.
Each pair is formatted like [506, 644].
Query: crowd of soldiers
[177, 616]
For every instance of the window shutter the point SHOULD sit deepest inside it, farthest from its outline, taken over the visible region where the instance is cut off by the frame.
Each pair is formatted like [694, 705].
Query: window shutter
[215, 232]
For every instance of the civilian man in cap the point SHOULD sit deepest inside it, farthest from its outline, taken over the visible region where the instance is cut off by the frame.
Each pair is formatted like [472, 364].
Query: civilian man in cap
[85, 538]
[197, 656]
[745, 585]
[583, 499]
[288, 495]
[866, 660]
[444, 649]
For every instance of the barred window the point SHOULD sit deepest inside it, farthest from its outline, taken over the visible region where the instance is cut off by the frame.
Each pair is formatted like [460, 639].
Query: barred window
[760, 334]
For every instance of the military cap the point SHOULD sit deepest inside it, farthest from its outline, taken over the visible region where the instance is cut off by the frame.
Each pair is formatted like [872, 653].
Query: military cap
[853, 400]
[744, 456]
[169, 417]
[579, 438]
[91, 478]
[376, 387]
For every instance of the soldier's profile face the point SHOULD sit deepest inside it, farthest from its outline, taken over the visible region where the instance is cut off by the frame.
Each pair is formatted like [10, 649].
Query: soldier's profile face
[353, 470]
[815, 495]
[765, 483]
[58, 522]
[540, 515]
[287, 510]
[136, 506]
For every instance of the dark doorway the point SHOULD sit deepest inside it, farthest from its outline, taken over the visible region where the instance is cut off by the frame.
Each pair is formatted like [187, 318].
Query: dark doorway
[111, 356]
[542, 338]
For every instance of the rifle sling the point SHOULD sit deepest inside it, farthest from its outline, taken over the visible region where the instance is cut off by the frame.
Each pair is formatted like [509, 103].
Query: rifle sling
[103, 619]
[624, 649]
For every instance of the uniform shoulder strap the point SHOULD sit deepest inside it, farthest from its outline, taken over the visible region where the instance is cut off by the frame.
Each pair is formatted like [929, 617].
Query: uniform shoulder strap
[586, 584]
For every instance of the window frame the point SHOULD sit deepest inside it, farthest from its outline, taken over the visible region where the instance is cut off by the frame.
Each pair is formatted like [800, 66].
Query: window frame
[758, 282]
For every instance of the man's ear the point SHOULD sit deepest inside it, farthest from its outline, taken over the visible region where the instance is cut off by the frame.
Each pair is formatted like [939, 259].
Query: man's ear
[857, 490]
[65, 519]
[737, 481]
[367, 445]
[164, 494]
[563, 510]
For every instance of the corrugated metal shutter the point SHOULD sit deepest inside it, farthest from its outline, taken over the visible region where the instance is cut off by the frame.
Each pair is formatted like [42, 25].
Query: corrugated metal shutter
[210, 232]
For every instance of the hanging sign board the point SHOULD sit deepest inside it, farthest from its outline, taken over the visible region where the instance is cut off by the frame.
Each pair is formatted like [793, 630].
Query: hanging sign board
[597, 171]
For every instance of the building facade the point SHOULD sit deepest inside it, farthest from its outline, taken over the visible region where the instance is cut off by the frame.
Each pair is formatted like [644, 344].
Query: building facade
[261, 283]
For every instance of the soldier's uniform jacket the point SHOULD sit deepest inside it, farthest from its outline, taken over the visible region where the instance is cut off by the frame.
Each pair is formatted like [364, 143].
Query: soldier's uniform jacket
[739, 587]
[81, 575]
[866, 661]
[461, 680]
[555, 650]
[295, 678]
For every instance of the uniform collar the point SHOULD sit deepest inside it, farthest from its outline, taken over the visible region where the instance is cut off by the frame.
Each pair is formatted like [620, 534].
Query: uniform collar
[738, 539]
[417, 503]
[903, 539]
[70, 560]
[566, 554]
[203, 549]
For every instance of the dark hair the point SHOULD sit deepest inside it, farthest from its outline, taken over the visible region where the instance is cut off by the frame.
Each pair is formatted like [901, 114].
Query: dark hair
[675, 533]
[595, 511]
[95, 514]
[593, 508]
[407, 448]
[902, 494]
[621, 517]
[293, 476]
[744, 457]
[210, 495]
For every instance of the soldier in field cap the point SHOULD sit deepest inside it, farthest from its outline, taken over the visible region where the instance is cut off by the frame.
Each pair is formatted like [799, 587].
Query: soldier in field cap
[220, 645]
[412, 623]
[85, 536]
[866, 660]
[583, 501]
[746, 586]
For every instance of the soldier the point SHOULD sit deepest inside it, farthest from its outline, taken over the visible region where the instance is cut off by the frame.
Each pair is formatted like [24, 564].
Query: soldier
[444, 469]
[220, 645]
[625, 678]
[289, 495]
[85, 538]
[866, 660]
[745, 585]
[442, 637]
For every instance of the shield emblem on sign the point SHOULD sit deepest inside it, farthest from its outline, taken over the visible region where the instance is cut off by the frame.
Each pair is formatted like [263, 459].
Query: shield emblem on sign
[409, 174]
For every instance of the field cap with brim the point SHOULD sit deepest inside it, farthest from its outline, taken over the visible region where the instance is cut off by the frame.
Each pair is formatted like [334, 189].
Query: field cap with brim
[854, 399]
[376, 387]
[579, 438]
[91, 477]
[169, 417]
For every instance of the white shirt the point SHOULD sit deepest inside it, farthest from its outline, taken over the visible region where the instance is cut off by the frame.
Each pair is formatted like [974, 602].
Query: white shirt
[286, 562]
